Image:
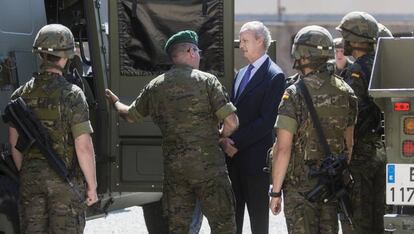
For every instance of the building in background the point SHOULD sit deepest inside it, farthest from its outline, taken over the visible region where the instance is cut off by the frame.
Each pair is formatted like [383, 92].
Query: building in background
[286, 17]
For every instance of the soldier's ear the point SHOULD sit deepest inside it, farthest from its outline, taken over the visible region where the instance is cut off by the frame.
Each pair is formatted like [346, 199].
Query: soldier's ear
[193, 53]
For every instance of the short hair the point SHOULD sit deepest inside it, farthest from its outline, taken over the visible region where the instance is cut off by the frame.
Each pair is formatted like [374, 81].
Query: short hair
[178, 48]
[338, 43]
[260, 30]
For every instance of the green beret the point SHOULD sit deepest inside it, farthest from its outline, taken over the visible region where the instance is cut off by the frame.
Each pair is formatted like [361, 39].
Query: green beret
[181, 37]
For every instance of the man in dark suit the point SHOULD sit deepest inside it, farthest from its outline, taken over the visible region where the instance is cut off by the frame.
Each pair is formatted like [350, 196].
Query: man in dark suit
[257, 90]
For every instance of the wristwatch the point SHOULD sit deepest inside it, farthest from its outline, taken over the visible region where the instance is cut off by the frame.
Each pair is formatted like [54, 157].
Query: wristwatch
[275, 194]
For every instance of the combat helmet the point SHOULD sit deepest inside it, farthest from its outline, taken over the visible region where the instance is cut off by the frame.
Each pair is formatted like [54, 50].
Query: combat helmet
[55, 39]
[359, 26]
[314, 43]
[383, 31]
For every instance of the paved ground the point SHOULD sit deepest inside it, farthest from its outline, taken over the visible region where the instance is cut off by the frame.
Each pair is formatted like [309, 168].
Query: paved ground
[131, 221]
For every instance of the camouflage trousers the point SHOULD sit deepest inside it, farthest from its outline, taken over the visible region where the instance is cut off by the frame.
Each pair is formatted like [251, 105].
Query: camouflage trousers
[306, 217]
[216, 199]
[368, 194]
[47, 205]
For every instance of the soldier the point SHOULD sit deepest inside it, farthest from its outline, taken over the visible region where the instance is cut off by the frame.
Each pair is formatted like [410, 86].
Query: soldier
[360, 30]
[335, 104]
[342, 62]
[187, 104]
[47, 203]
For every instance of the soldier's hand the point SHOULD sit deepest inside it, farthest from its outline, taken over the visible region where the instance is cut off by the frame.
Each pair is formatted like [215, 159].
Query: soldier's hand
[275, 205]
[112, 98]
[91, 197]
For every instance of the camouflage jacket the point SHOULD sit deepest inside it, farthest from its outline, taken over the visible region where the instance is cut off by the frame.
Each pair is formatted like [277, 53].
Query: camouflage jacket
[61, 107]
[187, 105]
[336, 106]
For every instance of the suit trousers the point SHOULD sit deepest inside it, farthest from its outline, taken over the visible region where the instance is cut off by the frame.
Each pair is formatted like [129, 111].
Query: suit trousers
[251, 190]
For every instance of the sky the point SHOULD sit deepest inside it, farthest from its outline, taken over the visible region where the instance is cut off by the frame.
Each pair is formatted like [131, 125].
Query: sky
[324, 6]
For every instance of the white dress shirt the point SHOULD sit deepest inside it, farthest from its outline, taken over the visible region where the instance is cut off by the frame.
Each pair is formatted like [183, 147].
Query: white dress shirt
[256, 64]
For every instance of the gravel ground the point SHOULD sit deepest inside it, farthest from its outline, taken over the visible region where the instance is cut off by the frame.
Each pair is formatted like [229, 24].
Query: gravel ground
[131, 220]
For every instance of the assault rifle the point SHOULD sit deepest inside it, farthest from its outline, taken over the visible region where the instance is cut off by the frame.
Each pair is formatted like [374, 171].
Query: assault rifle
[334, 182]
[33, 134]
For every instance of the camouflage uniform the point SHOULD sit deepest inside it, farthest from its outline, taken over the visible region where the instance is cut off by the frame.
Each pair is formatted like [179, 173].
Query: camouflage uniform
[47, 203]
[367, 167]
[187, 105]
[335, 104]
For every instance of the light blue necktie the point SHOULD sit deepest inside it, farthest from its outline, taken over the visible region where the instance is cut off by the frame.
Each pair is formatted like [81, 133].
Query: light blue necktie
[244, 81]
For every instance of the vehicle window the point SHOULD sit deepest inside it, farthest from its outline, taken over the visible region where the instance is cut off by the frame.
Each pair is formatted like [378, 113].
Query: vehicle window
[146, 25]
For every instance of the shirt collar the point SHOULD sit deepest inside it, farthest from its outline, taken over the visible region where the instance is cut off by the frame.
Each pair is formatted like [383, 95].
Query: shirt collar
[260, 61]
[182, 66]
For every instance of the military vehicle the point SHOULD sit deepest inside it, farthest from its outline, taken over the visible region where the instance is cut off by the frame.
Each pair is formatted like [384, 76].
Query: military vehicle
[392, 87]
[121, 47]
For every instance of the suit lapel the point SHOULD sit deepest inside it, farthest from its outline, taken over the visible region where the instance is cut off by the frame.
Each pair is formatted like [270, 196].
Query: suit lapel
[233, 91]
[255, 80]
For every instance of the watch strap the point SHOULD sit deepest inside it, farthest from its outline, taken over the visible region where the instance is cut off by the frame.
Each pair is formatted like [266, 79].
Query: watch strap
[275, 194]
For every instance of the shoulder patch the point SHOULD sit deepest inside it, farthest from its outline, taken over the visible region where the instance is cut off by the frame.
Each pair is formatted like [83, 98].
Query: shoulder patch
[285, 96]
[355, 75]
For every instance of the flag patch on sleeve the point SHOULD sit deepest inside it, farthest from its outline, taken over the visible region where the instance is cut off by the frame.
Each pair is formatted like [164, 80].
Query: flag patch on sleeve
[285, 96]
[355, 75]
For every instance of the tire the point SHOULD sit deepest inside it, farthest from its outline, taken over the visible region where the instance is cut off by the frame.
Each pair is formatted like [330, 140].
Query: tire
[158, 224]
[9, 216]
[154, 220]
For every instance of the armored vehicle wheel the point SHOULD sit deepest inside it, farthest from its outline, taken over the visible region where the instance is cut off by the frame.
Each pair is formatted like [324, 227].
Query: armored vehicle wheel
[9, 216]
[156, 223]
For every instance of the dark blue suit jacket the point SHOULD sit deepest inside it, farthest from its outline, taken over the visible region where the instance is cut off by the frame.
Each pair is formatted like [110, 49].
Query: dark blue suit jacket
[257, 111]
